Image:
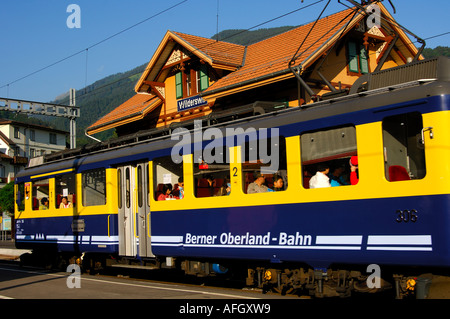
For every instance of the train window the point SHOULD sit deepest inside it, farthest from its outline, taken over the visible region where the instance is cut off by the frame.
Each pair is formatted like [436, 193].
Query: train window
[264, 165]
[329, 157]
[65, 188]
[39, 194]
[212, 177]
[94, 187]
[140, 194]
[127, 188]
[404, 153]
[148, 188]
[167, 177]
[20, 196]
[119, 188]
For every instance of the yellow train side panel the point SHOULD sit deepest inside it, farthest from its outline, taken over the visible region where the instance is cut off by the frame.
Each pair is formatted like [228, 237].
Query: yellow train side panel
[372, 181]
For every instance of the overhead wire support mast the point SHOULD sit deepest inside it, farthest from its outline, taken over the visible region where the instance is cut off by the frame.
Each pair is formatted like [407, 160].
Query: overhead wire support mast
[70, 112]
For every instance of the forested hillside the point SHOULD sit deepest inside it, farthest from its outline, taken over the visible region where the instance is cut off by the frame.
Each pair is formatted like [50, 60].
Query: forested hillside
[104, 95]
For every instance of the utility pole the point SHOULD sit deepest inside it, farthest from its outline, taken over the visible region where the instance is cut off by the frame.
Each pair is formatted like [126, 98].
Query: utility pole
[73, 125]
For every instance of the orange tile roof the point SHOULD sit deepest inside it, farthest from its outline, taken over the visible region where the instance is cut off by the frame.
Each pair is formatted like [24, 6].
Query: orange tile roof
[268, 57]
[136, 106]
[271, 56]
[220, 52]
[250, 65]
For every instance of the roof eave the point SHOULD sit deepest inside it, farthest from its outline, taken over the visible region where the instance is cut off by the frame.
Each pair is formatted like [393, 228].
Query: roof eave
[161, 48]
[123, 120]
[403, 36]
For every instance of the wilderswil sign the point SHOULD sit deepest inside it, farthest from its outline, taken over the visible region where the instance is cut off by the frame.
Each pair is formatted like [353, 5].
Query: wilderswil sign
[190, 103]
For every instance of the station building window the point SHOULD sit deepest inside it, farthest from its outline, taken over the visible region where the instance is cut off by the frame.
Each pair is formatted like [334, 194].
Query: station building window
[168, 178]
[328, 156]
[94, 187]
[179, 85]
[202, 78]
[358, 59]
[264, 165]
[191, 80]
[404, 152]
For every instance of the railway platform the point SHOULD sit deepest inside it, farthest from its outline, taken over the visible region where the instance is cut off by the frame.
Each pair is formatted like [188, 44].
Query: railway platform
[8, 250]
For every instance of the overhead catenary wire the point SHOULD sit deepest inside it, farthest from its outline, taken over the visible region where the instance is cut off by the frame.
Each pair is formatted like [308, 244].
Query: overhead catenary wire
[95, 44]
[98, 89]
[205, 46]
[95, 90]
[136, 24]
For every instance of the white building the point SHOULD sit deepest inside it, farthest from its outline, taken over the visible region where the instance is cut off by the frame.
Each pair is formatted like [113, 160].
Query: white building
[20, 142]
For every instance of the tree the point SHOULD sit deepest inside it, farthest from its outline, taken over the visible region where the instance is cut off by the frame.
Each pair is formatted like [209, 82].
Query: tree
[7, 198]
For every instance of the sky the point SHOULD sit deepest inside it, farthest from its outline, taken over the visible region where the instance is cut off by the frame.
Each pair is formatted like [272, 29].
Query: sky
[42, 55]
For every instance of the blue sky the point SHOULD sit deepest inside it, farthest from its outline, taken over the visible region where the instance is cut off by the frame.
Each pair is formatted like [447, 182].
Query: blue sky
[34, 34]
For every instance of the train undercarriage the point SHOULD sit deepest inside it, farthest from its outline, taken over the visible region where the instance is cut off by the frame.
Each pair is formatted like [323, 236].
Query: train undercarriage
[338, 281]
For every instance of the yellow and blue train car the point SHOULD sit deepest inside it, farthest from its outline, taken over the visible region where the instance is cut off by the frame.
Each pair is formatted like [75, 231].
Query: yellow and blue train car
[385, 153]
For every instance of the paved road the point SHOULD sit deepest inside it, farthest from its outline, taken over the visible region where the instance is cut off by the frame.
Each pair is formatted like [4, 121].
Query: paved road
[27, 283]
[47, 293]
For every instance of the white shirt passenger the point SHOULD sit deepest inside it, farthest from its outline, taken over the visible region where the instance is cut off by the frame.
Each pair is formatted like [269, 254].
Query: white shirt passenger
[320, 180]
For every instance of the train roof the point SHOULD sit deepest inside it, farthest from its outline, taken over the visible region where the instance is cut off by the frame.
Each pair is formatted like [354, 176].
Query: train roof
[423, 79]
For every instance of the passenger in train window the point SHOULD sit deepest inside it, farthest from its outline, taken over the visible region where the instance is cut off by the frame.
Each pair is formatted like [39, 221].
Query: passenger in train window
[278, 183]
[44, 204]
[167, 175]
[224, 190]
[210, 179]
[258, 185]
[337, 176]
[65, 203]
[181, 187]
[167, 193]
[65, 185]
[320, 179]
[353, 170]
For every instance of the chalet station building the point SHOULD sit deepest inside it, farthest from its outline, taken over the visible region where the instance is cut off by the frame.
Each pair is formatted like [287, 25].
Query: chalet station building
[189, 77]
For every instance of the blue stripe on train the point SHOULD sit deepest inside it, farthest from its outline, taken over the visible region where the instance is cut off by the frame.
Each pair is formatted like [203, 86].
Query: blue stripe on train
[57, 233]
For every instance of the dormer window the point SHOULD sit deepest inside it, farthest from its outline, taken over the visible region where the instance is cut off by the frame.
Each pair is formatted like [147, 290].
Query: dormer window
[202, 78]
[358, 59]
[179, 84]
[192, 81]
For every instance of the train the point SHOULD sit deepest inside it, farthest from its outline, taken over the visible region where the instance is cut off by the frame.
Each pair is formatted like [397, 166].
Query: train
[179, 197]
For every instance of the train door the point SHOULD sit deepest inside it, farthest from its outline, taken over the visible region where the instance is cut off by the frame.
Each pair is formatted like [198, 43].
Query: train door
[134, 211]
[127, 234]
[143, 209]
